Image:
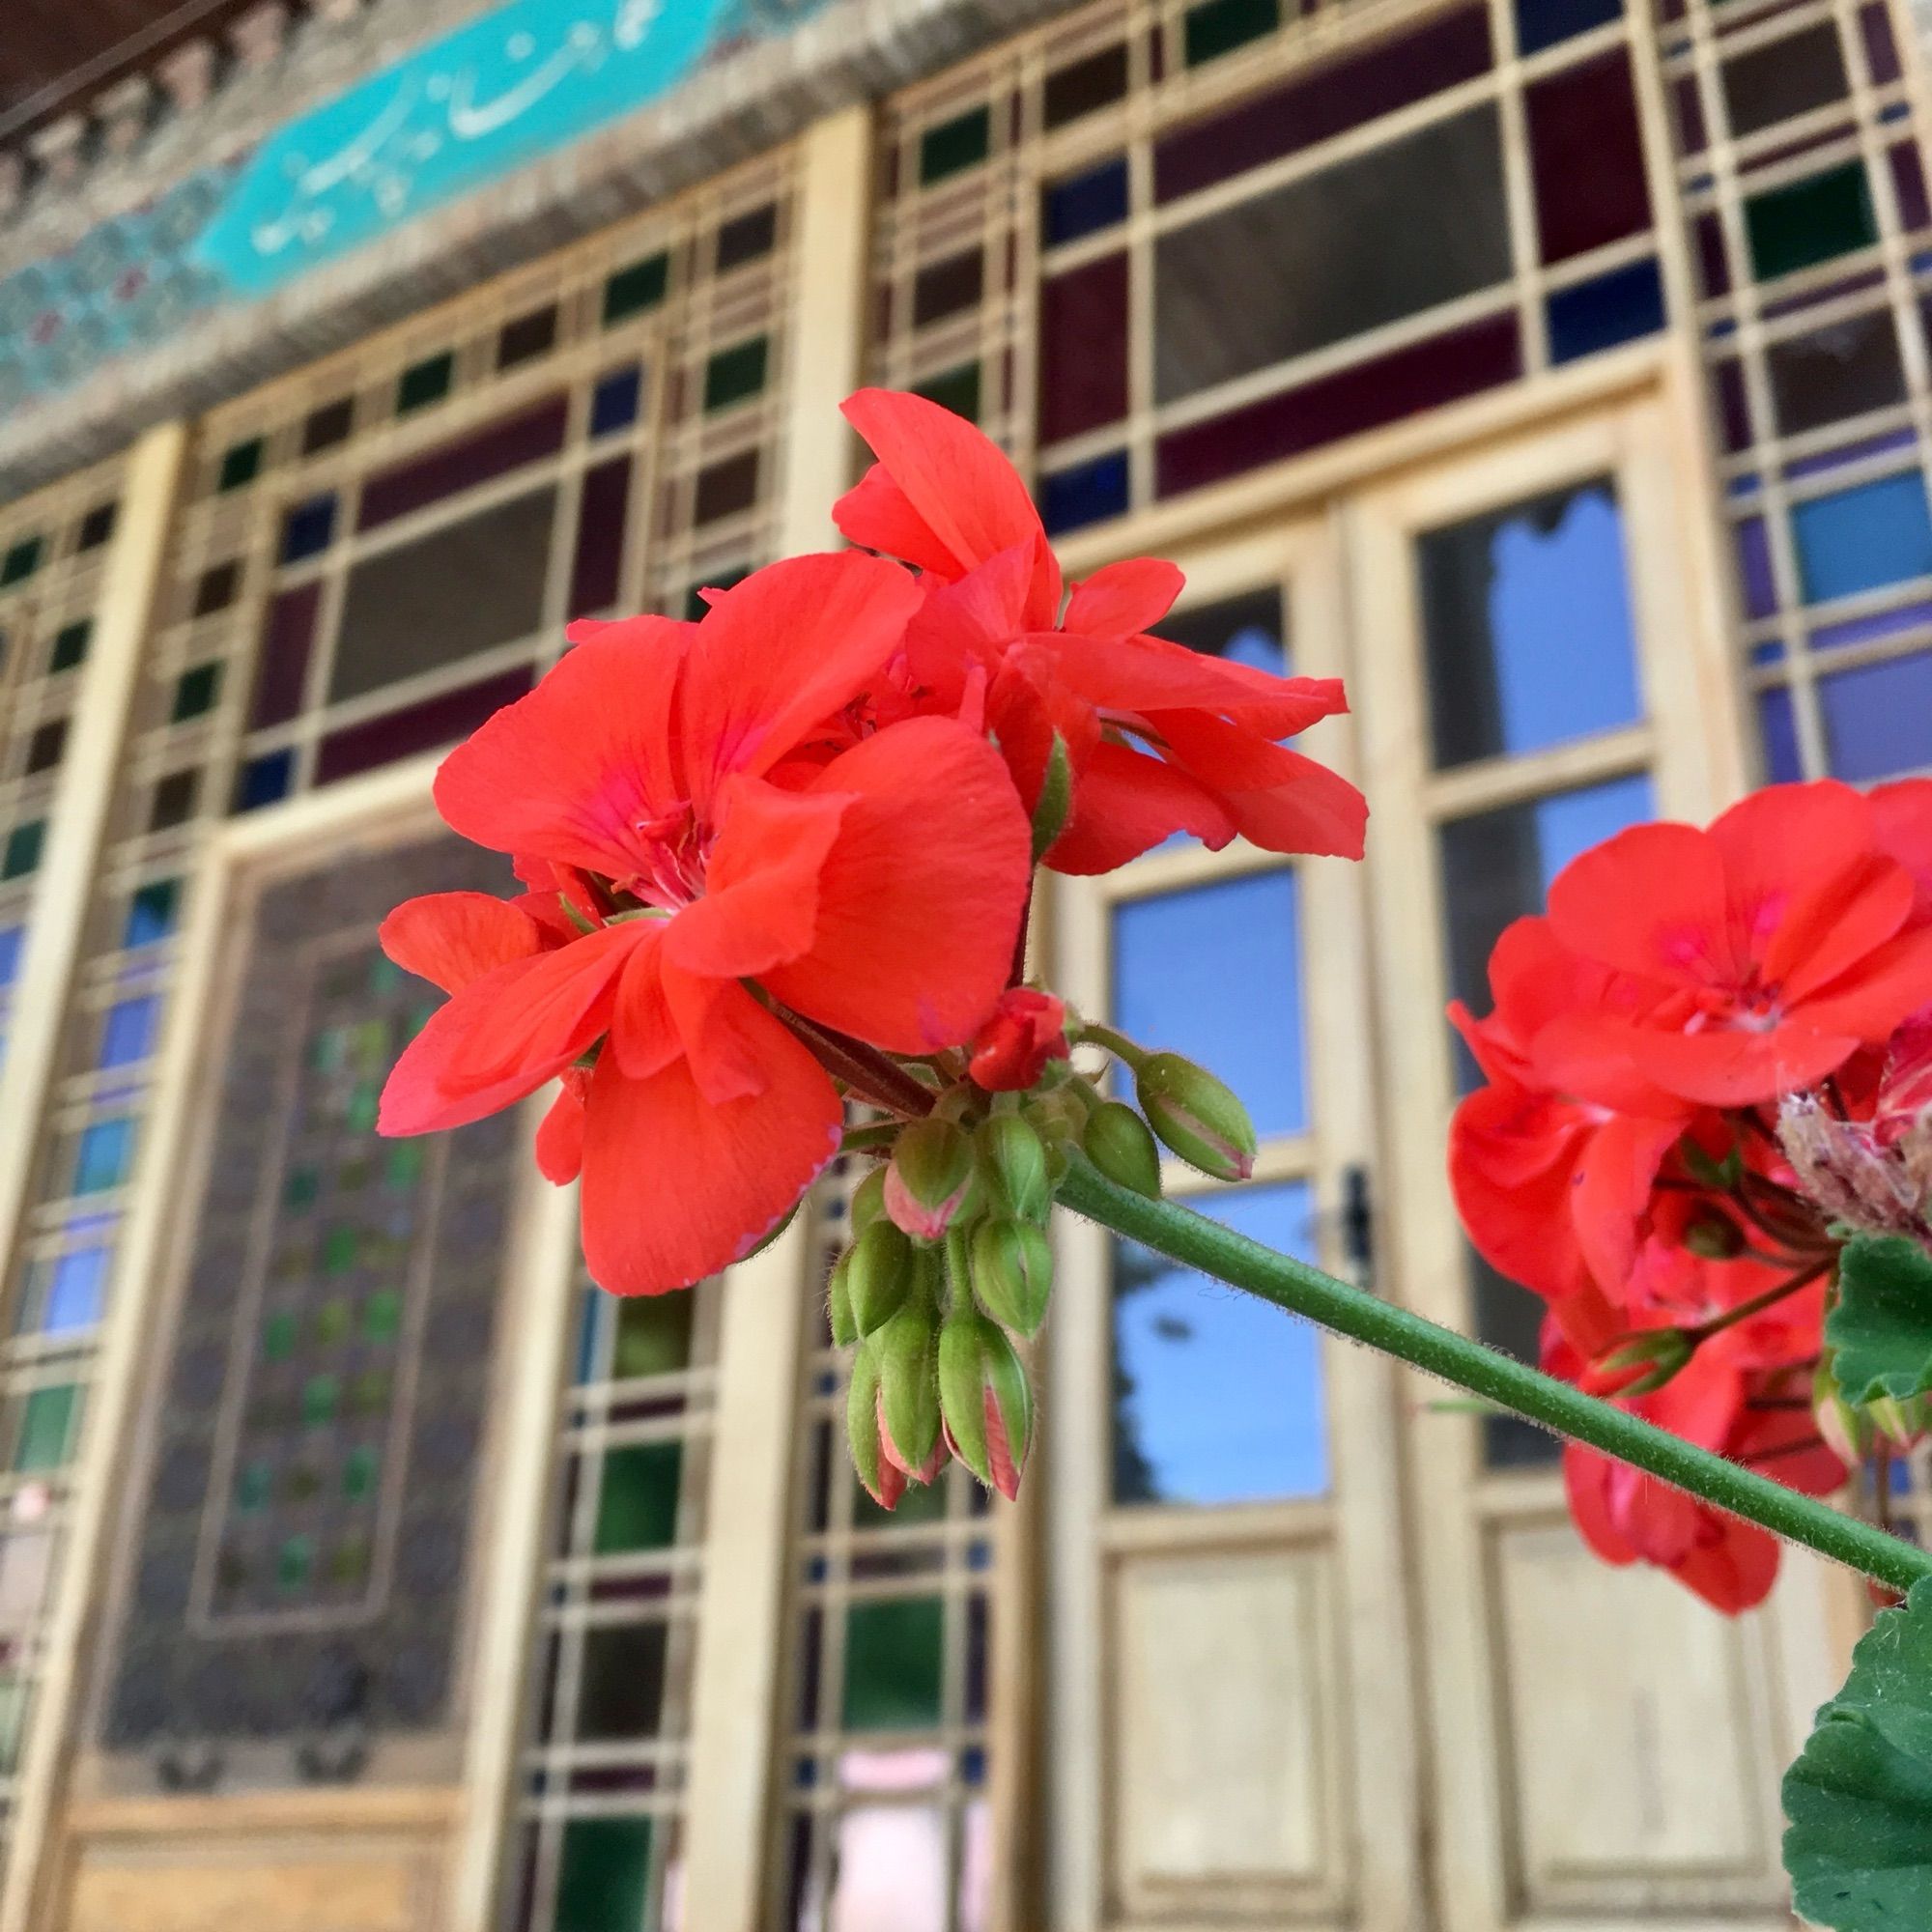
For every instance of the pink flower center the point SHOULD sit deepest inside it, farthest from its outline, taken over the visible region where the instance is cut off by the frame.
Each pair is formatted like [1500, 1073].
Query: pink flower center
[674, 848]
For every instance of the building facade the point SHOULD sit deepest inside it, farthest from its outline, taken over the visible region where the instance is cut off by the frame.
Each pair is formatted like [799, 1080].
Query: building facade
[1556, 371]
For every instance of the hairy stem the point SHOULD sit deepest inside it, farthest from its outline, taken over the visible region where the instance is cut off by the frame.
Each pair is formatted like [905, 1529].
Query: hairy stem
[1188, 1237]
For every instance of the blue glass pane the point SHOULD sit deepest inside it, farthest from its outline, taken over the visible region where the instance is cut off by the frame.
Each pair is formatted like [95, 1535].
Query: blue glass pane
[587, 1336]
[76, 1290]
[1862, 538]
[1085, 493]
[1618, 308]
[1214, 972]
[1084, 204]
[127, 1034]
[100, 1156]
[12, 938]
[151, 912]
[1217, 1397]
[1527, 621]
[1245, 630]
[1778, 726]
[263, 780]
[309, 528]
[1497, 865]
[1878, 719]
[613, 403]
[1542, 23]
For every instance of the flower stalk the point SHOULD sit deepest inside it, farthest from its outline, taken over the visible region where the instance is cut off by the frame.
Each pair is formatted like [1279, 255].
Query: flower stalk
[1197, 1242]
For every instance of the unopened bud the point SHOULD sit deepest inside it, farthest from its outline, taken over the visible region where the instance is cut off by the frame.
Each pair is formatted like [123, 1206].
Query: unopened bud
[880, 1276]
[986, 1399]
[1013, 1160]
[1846, 1429]
[839, 1302]
[1657, 1356]
[1196, 1116]
[1012, 1272]
[1122, 1146]
[868, 1201]
[864, 1432]
[1716, 1237]
[1707, 1170]
[1902, 1423]
[908, 1352]
[931, 1178]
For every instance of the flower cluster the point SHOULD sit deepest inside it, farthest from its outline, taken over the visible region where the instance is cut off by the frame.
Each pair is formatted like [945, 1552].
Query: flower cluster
[1709, 1062]
[777, 865]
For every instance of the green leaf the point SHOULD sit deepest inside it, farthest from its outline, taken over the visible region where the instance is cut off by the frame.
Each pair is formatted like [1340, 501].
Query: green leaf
[1859, 1797]
[1881, 1330]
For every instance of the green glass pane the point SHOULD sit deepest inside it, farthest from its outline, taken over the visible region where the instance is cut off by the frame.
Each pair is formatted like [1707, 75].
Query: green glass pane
[44, 1425]
[70, 645]
[954, 145]
[636, 1506]
[295, 1563]
[894, 1654]
[195, 692]
[956, 389]
[371, 1391]
[100, 1156]
[364, 1105]
[278, 1336]
[384, 975]
[632, 289]
[922, 1502]
[403, 1164]
[13, 1707]
[383, 1315]
[320, 1397]
[604, 1878]
[419, 1017]
[242, 465]
[338, 1250]
[350, 1563]
[1809, 221]
[354, 1175]
[1222, 25]
[653, 1335]
[425, 382]
[301, 1483]
[733, 374]
[358, 1474]
[20, 561]
[370, 1047]
[299, 1190]
[332, 1321]
[328, 1050]
[21, 854]
[252, 1486]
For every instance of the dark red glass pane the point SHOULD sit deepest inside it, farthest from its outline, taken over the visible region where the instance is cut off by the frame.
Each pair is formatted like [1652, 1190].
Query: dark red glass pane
[1733, 408]
[416, 728]
[1714, 275]
[1690, 134]
[943, 288]
[1424, 376]
[726, 488]
[1083, 349]
[1084, 85]
[1785, 78]
[1908, 181]
[600, 537]
[1881, 51]
[287, 639]
[1586, 156]
[505, 445]
[1286, 120]
[1846, 370]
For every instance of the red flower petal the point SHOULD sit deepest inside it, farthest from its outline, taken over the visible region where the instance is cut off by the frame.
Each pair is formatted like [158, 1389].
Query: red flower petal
[452, 938]
[1652, 901]
[1125, 803]
[1125, 598]
[675, 1188]
[1728, 1068]
[559, 1146]
[921, 897]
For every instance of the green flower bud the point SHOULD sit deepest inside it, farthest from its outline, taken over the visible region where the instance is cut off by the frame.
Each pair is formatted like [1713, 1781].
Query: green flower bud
[1013, 1160]
[839, 1302]
[908, 1352]
[930, 1181]
[1658, 1355]
[868, 1201]
[986, 1401]
[864, 1432]
[1056, 799]
[1012, 1272]
[1716, 1237]
[1196, 1116]
[1122, 1146]
[880, 1277]
[1847, 1430]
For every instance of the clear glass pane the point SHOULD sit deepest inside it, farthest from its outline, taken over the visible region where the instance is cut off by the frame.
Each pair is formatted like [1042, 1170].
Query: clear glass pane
[1527, 625]
[1214, 972]
[891, 1863]
[1217, 1397]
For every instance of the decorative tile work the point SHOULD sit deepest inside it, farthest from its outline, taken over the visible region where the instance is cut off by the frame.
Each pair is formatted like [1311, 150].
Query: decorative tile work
[883, 1763]
[298, 1570]
[1800, 161]
[602, 1777]
[1083, 239]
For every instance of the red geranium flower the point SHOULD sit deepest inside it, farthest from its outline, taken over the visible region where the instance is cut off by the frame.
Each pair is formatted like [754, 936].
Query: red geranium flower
[1764, 951]
[1161, 739]
[670, 785]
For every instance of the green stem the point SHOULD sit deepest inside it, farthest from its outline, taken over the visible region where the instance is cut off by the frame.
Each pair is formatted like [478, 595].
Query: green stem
[1188, 1237]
